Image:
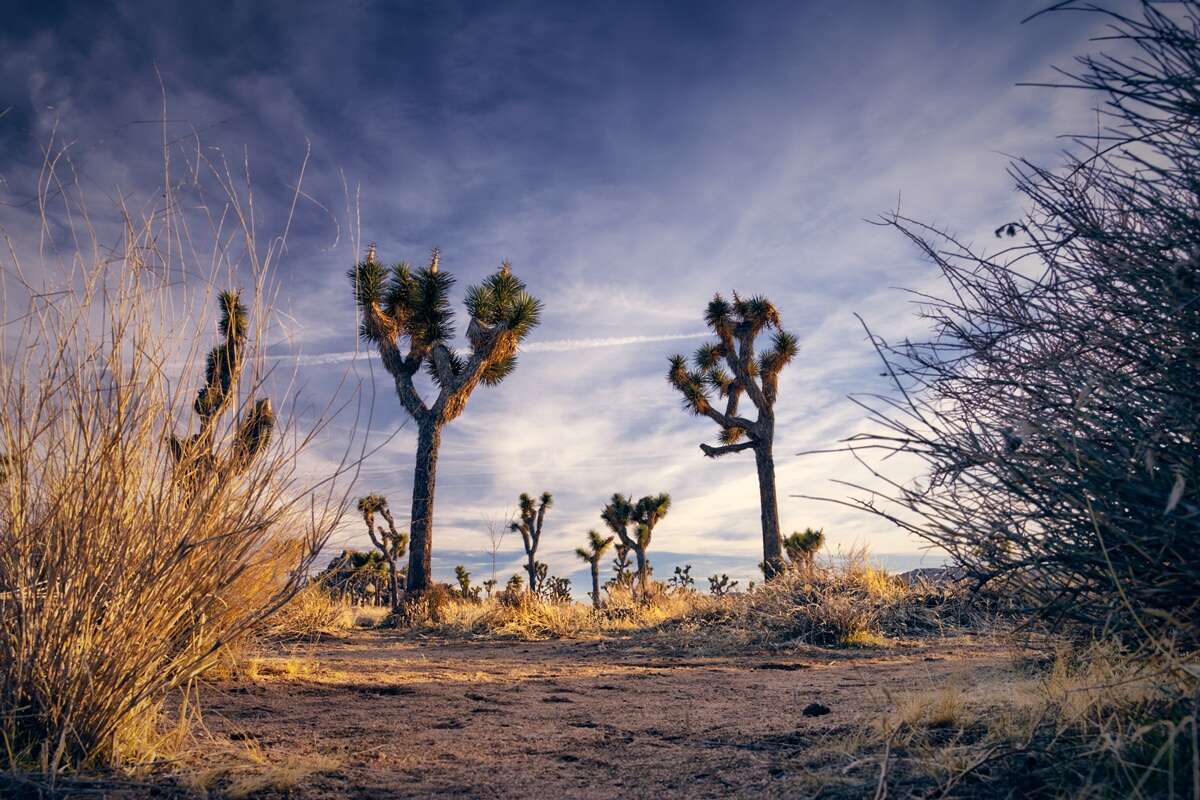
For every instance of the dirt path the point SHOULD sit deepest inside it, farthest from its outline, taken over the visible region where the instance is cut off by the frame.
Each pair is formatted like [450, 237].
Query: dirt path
[436, 718]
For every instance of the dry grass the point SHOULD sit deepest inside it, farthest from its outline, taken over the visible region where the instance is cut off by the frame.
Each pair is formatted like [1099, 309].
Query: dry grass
[311, 614]
[120, 579]
[529, 618]
[846, 602]
[1093, 722]
[244, 769]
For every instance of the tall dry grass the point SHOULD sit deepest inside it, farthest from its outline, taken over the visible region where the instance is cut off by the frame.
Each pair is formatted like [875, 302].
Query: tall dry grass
[120, 583]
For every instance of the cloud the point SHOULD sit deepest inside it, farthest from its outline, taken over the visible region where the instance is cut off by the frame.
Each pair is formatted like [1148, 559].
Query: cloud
[625, 171]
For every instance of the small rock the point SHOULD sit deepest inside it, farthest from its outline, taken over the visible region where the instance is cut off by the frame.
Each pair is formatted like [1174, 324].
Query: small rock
[815, 710]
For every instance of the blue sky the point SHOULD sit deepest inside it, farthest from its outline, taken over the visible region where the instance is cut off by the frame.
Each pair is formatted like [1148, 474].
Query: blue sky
[629, 158]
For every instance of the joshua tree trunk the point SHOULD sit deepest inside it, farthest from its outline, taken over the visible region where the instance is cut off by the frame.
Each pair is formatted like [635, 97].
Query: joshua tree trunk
[596, 583]
[642, 576]
[772, 540]
[531, 568]
[420, 573]
[393, 584]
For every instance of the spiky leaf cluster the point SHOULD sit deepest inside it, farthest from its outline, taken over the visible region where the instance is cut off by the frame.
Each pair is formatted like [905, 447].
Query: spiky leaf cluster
[802, 546]
[222, 367]
[224, 361]
[413, 304]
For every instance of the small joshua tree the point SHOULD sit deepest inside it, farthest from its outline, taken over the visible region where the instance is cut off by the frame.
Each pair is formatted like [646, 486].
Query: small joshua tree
[720, 585]
[802, 547]
[390, 543]
[465, 590]
[737, 326]
[557, 590]
[622, 576]
[532, 517]
[489, 586]
[621, 512]
[682, 580]
[197, 456]
[399, 305]
[597, 546]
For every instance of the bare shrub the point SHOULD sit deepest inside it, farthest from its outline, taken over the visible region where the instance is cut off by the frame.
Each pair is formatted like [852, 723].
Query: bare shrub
[122, 577]
[1055, 404]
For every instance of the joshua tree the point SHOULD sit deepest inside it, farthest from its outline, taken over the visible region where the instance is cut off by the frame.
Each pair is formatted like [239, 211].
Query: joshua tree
[196, 455]
[621, 512]
[720, 585]
[802, 547]
[597, 546]
[465, 589]
[682, 580]
[621, 574]
[530, 528]
[400, 305]
[390, 543]
[737, 326]
[557, 590]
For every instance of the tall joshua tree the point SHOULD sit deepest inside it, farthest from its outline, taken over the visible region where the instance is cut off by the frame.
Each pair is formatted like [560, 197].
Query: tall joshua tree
[197, 455]
[530, 527]
[730, 368]
[389, 542]
[597, 547]
[644, 515]
[406, 309]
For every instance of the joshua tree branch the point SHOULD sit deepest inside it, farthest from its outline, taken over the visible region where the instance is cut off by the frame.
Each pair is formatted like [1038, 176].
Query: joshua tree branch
[726, 421]
[739, 362]
[441, 363]
[715, 452]
[455, 391]
[481, 357]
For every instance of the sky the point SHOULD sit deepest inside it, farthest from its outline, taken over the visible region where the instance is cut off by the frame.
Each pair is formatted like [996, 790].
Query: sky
[629, 158]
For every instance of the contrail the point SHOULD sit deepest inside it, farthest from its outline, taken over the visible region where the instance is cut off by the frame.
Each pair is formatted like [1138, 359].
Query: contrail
[550, 346]
[563, 345]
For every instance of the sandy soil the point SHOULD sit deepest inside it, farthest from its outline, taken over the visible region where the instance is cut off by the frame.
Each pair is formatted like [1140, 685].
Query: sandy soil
[394, 716]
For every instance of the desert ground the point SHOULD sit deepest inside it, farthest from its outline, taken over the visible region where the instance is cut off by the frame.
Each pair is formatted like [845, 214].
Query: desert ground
[382, 714]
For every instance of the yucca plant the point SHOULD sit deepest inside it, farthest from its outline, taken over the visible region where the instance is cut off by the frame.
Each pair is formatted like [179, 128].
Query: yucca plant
[720, 585]
[199, 454]
[644, 515]
[390, 542]
[597, 546]
[622, 575]
[802, 546]
[465, 590]
[532, 518]
[729, 367]
[406, 314]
